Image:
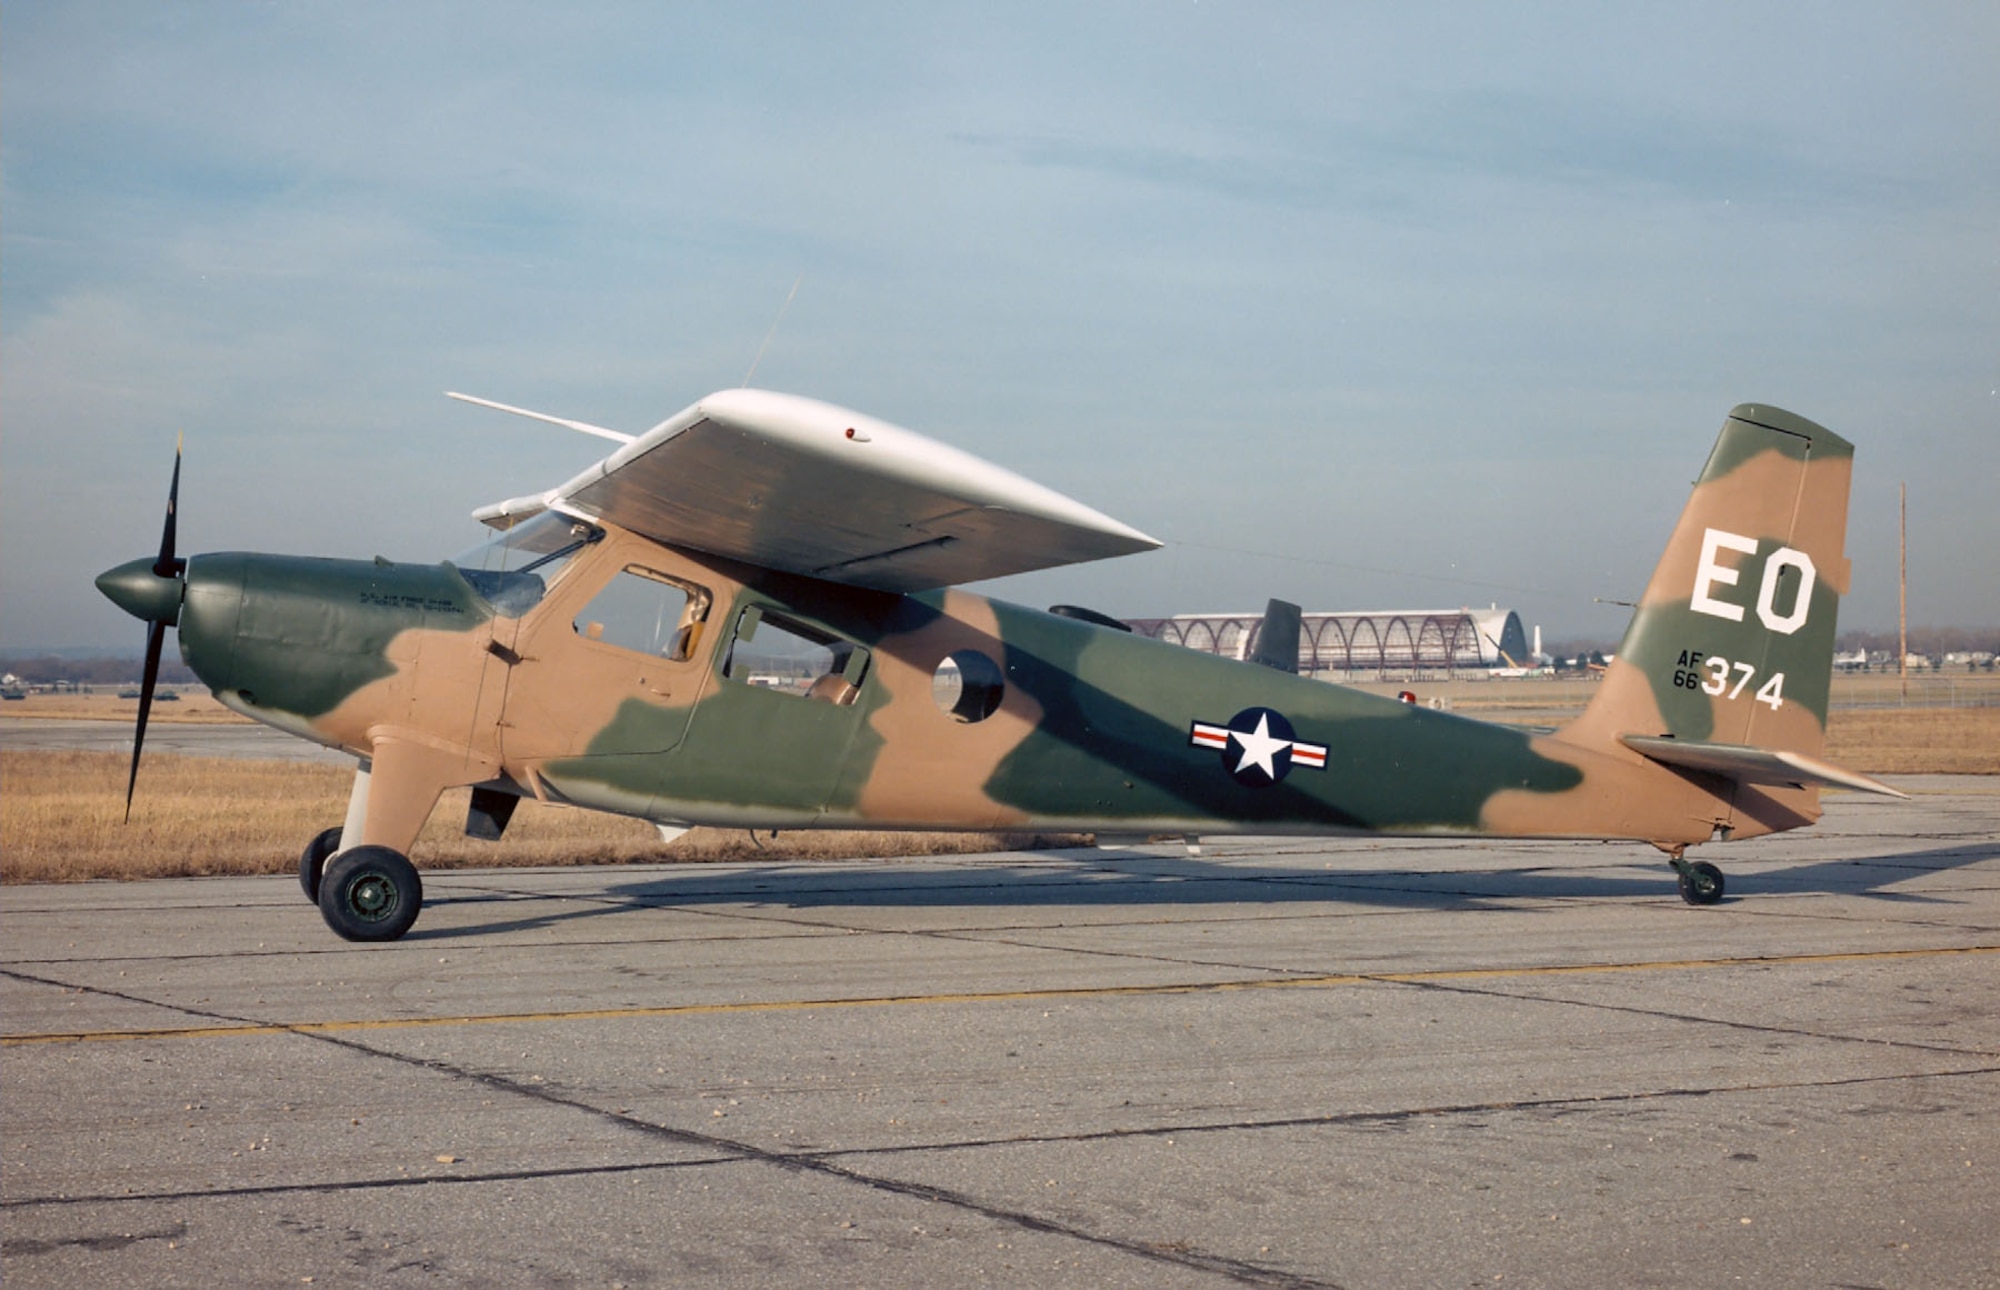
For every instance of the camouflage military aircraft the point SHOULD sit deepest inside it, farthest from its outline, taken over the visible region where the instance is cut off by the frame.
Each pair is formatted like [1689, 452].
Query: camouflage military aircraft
[746, 616]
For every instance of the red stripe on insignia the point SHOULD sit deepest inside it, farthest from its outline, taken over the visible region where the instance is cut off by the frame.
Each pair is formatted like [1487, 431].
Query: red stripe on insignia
[1309, 755]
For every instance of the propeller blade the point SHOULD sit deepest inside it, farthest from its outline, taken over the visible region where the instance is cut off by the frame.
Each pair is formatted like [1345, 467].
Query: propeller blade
[156, 632]
[166, 566]
[156, 635]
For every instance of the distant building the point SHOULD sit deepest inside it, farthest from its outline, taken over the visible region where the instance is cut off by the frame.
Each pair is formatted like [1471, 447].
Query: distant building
[1350, 646]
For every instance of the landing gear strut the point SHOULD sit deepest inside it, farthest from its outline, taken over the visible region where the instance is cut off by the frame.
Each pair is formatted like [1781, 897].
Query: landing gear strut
[1701, 882]
[370, 894]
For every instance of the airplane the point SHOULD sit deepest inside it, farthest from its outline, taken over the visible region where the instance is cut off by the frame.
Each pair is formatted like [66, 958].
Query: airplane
[750, 615]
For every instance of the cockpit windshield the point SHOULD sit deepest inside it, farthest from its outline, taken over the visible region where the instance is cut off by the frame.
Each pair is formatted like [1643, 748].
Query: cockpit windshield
[512, 570]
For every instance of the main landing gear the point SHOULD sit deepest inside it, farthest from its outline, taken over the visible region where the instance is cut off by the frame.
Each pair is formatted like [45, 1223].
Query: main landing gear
[312, 861]
[1701, 882]
[365, 894]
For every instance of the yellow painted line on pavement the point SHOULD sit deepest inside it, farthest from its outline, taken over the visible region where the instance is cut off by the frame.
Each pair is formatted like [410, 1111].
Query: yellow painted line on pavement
[992, 996]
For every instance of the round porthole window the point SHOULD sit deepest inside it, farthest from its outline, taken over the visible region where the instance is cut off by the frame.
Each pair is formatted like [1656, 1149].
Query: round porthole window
[968, 686]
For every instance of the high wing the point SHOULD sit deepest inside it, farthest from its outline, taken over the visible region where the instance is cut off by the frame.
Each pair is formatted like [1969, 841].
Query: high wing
[803, 486]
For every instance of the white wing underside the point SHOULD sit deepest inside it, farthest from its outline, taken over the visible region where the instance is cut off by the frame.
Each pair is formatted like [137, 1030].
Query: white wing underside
[794, 484]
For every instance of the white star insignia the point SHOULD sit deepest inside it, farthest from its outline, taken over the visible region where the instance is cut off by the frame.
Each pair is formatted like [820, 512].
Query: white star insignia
[1260, 748]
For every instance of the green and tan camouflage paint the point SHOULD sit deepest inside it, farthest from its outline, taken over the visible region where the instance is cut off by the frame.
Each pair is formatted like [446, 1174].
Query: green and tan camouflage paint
[1778, 484]
[407, 666]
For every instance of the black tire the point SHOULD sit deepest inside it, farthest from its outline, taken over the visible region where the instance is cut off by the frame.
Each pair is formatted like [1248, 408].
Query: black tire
[312, 861]
[370, 894]
[1701, 883]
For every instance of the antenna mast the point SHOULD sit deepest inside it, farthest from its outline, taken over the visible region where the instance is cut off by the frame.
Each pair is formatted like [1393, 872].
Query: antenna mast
[782, 309]
[1903, 589]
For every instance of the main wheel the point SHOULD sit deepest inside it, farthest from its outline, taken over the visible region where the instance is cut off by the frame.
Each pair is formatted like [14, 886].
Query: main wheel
[312, 861]
[370, 894]
[1701, 883]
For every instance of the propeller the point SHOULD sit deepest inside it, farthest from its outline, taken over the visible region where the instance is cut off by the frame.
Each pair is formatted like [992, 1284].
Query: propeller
[151, 591]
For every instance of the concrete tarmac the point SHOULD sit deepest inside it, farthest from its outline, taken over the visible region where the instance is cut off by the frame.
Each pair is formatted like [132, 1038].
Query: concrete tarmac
[1281, 1062]
[56, 734]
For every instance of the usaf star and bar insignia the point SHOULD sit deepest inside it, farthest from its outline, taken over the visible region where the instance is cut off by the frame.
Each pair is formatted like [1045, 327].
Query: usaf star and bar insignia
[1257, 746]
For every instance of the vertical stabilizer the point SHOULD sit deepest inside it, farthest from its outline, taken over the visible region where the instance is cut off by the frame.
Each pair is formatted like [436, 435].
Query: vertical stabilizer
[1732, 643]
[1277, 644]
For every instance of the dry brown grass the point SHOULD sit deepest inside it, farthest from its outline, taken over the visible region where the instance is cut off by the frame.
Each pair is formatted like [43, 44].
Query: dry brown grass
[62, 820]
[1550, 701]
[1915, 741]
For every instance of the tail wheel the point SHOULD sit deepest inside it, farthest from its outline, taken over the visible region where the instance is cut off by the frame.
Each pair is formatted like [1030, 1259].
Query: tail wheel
[1701, 883]
[312, 861]
[370, 894]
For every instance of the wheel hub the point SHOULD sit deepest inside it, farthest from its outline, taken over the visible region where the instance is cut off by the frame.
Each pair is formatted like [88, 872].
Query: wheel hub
[373, 897]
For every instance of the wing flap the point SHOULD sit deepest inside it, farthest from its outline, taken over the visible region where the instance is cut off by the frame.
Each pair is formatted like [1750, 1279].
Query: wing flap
[1753, 765]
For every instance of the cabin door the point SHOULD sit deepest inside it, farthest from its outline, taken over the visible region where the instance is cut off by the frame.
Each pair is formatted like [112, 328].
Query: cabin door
[768, 741]
[604, 677]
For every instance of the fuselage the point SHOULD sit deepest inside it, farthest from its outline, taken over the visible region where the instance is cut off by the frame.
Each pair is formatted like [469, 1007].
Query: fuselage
[937, 710]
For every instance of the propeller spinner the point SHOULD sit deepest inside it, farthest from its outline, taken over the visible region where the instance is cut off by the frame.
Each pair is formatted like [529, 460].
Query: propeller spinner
[150, 590]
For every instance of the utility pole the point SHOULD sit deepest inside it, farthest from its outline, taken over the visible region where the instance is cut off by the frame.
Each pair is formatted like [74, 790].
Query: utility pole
[1903, 589]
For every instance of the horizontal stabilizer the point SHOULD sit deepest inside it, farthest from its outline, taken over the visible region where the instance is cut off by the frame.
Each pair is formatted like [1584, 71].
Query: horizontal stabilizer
[1753, 765]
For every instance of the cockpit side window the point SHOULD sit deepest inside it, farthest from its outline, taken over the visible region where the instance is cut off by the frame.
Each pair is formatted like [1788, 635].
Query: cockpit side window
[648, 612]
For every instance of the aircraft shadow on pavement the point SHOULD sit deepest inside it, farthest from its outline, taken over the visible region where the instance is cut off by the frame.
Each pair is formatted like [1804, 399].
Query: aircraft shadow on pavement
[1092, 880]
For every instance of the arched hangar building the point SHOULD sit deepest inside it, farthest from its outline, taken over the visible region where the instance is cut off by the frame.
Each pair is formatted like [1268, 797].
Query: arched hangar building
[1354, 646]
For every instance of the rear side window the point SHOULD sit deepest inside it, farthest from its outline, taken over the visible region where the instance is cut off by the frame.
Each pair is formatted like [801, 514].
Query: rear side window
[776, 652]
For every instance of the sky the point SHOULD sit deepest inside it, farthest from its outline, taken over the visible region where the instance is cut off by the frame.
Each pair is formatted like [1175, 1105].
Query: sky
[1361, 306]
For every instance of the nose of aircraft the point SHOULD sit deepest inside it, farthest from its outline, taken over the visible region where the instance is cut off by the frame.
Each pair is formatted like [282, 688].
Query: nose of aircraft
[141, 591]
